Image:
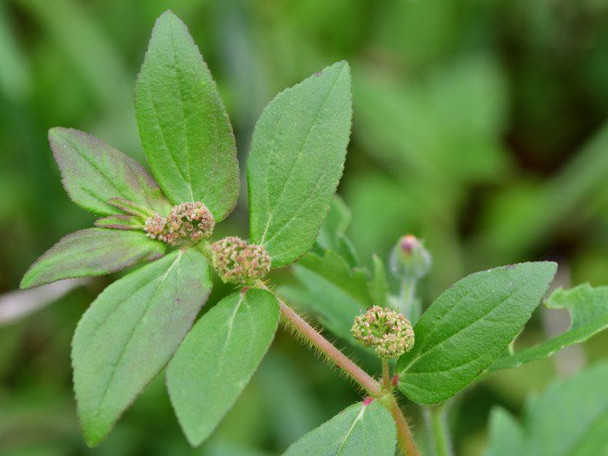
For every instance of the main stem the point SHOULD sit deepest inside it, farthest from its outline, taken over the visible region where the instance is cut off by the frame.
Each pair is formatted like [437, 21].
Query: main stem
[371, 386]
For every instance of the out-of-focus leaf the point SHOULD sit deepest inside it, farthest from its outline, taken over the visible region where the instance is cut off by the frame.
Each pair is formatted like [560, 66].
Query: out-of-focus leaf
[468, 327]
[183, 125]
[76, 31]
[218, 358]
[359, 430]
[15, 77]
[569, 419]
[335, 224]
[378, 285]
[296, 160]
[92, 252]
[130, 332]
[94, 172]
[421, 124]
[588, 308]
[333, 268]
[506, 436]
[333, 306]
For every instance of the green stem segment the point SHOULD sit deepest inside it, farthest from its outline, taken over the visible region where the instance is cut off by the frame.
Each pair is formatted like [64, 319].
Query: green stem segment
[371, 386]
[437, 429]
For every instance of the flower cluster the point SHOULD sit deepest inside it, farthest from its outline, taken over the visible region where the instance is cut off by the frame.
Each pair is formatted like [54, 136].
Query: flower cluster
[237, 261]
[387, 331]
[186, 223]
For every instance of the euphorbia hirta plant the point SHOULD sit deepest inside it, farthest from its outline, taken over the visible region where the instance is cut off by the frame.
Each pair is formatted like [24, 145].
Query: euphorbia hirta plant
[142, 323]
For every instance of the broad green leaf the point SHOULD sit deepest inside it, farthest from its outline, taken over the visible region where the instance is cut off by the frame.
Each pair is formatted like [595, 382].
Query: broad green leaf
[588, 309]
[296, 160]
[569, 419]
[182, 122]
[92, 252]
[130, 332]
[93, 172]
[218, 358]
[359, 430]
[506, 436]
[468, 327]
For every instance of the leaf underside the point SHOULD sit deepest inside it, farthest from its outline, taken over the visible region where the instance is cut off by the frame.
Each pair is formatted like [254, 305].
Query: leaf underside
[359, 430]
[182, 122]
[93, 172]
[92, 252]
[130, 332]
[468, 327]
[296, 161]
[217, 359]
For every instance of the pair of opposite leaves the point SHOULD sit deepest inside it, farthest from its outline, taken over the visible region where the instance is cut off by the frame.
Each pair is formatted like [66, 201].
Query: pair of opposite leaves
[135, 326]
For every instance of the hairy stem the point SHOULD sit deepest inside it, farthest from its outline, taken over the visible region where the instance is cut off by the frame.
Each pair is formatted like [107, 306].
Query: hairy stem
[404, 434]
[329, 350]
[371, 386]
[437, 429]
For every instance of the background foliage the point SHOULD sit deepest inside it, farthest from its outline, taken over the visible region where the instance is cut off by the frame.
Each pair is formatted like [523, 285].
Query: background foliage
[479, 126]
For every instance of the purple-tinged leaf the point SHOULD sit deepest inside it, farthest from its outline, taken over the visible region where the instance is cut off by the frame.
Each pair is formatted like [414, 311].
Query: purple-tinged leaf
[93, 172]
[92, 252]
[120, 222]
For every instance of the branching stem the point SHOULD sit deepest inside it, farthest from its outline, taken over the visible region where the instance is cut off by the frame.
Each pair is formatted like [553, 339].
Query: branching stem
[371, 386]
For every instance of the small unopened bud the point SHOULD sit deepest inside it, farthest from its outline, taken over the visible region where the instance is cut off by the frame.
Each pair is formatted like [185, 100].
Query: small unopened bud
[186, 223]
[237, 261]
[409, 258]
[385, 330]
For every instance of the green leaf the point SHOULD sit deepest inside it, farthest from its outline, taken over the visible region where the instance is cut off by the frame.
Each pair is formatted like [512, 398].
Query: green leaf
[182, 122]
[92, 252]
[296, 160]
[94, 172]
[506, 436]
[569, 419]
[359, 430]
[218, 358]
[588, 309]
[130, 332]
[468, 327]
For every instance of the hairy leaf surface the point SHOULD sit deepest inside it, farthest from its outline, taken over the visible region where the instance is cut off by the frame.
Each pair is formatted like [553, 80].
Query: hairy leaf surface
[359, 430]
[468, 327]
[588, 309]
[182, 122]
[92, 252]
[218, 358]
[130, 332]
[93, 172]
[296, 160]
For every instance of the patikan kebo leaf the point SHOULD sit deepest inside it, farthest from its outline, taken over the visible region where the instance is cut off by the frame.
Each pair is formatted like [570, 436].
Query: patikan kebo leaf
[142, 323]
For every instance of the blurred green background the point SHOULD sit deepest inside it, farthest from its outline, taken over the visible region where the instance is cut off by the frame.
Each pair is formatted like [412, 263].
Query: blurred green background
[479, 126]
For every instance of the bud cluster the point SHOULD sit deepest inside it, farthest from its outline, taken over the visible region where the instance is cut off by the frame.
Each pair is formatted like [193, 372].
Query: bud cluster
[387, 331]
[186, 223]
[237, 261]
